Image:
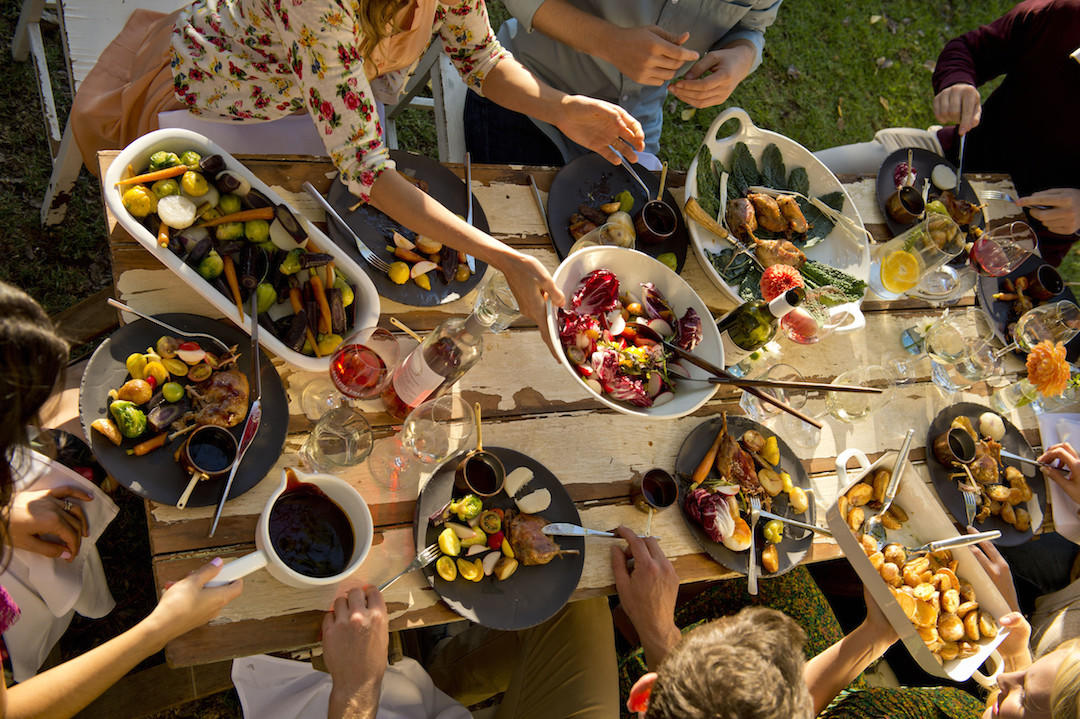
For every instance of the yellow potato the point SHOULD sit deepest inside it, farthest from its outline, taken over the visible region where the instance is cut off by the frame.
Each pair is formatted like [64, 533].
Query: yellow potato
[965, 607]
[855, 518]
[880, 482]
[950, 601]
[950, 627]
[876, 560]
[1022, 520]
[798, 500]
[891, 574]
[971, 626]
[895, 553]
[860, 494]
[987, 626]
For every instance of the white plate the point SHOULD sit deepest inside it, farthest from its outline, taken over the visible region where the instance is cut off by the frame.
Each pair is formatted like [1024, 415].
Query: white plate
[839, 249]
[137, 155]
[631, 268]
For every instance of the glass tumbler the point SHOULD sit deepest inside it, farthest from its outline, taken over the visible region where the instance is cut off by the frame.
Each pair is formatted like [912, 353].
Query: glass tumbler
[902, 262]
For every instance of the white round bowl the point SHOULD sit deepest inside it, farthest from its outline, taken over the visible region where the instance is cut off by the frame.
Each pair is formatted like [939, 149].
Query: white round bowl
[632, 268]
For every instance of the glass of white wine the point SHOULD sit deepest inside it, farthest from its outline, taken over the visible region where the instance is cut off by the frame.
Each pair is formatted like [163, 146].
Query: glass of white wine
[1055, 321]
[960, 349]
[851, 407]
[432, 433]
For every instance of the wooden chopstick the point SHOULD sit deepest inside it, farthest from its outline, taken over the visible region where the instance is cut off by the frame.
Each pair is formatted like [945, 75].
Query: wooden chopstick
[721, 372]
[792, 384]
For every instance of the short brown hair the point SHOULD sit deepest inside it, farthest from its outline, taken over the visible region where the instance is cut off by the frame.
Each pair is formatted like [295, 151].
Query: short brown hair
[745, 666]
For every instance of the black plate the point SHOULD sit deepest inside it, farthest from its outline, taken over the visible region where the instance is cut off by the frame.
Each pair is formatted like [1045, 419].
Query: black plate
[155, 475]
[377, 231]
[951, 496]
[532, 594]
[1002, 312]
[924, 162]
[592, 180]
[790, 551]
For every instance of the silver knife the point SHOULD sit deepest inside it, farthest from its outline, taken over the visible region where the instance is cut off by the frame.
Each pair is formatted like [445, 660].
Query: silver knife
[469, 259]
[251, 426]
[960, 166]
[565, 529]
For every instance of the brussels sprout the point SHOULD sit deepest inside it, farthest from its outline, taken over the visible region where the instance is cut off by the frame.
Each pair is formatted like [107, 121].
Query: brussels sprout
[257, 230]
[229, 204]
[139, 201]
[190, 158]
[211, 266]
[130, 419]
[266, 296]
[291, 263]
[164, 188]
[194, 184]
[346, 291]
[467, 507]
[229, 231]
[162, 159]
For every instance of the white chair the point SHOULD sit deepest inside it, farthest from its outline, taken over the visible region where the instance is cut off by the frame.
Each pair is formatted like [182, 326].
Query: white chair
[86, 29]
[88, 26]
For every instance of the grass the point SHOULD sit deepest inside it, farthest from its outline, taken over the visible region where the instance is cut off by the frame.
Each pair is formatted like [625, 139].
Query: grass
[831, 74]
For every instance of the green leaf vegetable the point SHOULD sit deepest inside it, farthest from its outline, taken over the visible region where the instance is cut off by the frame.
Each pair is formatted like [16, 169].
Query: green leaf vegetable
[744, 171]
[817, 274]
[799, 181]
[820, 224]
[773, 172]
[708, 184]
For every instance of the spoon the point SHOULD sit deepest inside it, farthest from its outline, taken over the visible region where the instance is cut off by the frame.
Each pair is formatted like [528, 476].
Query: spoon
[873, 527]
[663, 181]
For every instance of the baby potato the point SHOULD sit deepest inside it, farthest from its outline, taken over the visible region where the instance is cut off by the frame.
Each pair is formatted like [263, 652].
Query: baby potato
[869, 546]
[926, 614]
[860, 494]
[944, 556]
[950, 601]
[843, 505]
[1013, 476]
[897, 511]
[1016, 496]
[945, 579]
[1022, 520]
[967, 649]
[965, 607]
[880, 482]
[924, 592]
[995, 508]
[1008, 514]
[907, 604]
[895, 553]
[929, 635]
[770, 559]
[891, 574]
[136, 391]
[949, 651]
[950, 627]
[798, 500]
[890, 522]
[876, 560]
[967, 592]
[971, 626]
[855, 518]
[987, 626]
[998, 492]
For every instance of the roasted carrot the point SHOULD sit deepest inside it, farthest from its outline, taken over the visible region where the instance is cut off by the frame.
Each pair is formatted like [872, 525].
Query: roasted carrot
[325, 322]
[297, 302]
[408, 255]
[154, 176]
[163, 235]
[706, 463]
[259, 213]
[149, 445]
[329, 282]
[234, 286]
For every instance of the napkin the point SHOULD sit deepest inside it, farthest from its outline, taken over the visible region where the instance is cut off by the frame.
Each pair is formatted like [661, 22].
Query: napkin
[49, 591]
[1055, 428]
[272, 688]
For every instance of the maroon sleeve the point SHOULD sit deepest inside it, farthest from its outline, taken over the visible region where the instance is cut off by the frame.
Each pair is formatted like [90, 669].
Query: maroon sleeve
[991, 50]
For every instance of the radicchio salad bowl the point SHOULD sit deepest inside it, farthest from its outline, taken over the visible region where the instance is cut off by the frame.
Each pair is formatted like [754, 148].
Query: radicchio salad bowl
[614, 353]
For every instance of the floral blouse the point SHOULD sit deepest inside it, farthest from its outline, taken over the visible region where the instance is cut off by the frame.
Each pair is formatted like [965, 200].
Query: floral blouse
[252, 60]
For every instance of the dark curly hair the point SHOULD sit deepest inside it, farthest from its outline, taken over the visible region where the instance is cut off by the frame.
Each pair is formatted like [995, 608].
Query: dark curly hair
[745, 666]
[32, 360]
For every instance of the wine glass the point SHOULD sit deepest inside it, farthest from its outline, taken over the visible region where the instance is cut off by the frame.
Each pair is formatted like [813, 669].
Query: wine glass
[1055, 321]
[1001, 250]
[341, 438]
[850, 407]
[360, 368]
[495, 303]
[960, 349]
[432, 433]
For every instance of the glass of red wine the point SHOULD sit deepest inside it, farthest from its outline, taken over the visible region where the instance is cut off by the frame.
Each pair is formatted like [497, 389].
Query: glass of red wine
[1001, 250]
[360, 368]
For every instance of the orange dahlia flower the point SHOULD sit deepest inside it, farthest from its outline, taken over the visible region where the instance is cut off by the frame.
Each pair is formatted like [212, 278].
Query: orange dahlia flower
[1047, 368]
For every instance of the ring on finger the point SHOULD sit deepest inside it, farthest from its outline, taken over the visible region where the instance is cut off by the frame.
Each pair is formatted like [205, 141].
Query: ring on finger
[68, 506]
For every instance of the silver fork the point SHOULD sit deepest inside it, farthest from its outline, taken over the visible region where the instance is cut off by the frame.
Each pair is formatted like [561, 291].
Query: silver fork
[121, 306]
[370, 257]
[1004, 196]
[751, 562]
[424, 558]
[969, 507]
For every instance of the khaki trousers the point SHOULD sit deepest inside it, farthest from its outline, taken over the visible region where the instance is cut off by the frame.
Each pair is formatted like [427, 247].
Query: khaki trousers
[564, 668]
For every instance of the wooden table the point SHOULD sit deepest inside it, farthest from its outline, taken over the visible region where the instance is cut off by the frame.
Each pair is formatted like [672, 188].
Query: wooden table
[529, 404]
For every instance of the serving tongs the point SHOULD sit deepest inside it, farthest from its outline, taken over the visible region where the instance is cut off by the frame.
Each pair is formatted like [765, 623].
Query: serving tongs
[254, 417]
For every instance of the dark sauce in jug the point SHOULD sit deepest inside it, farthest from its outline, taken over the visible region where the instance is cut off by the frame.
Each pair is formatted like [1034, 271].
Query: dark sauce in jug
[481, 476]
[310, 532]
[211, 452]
